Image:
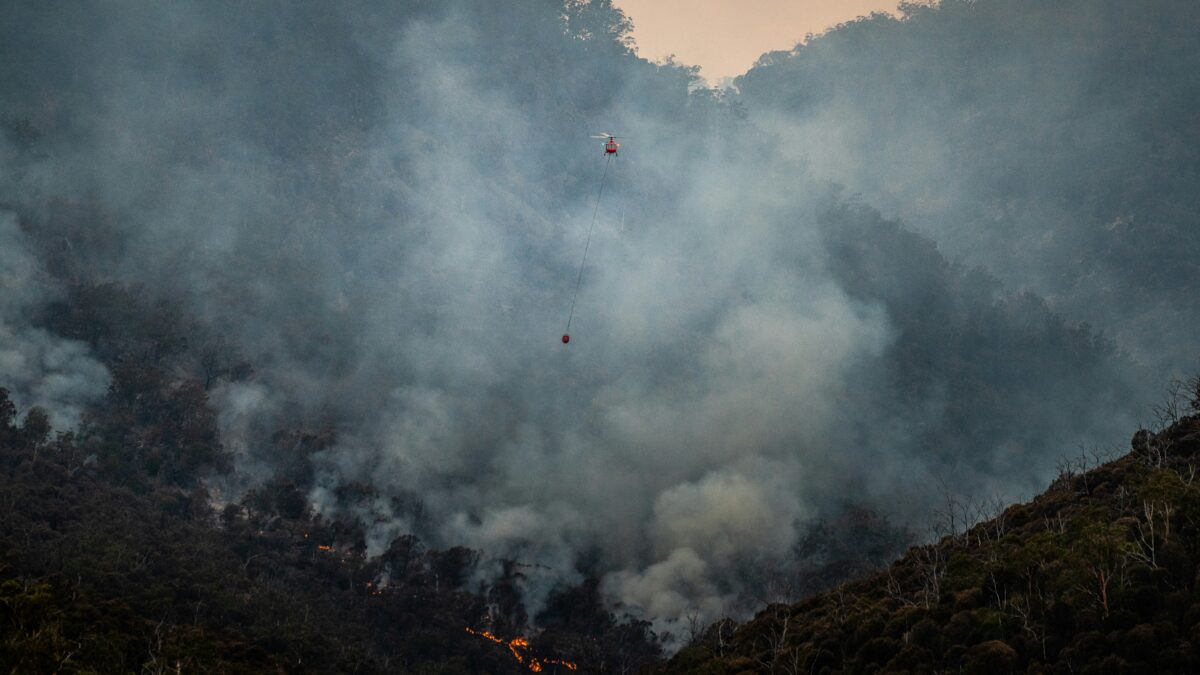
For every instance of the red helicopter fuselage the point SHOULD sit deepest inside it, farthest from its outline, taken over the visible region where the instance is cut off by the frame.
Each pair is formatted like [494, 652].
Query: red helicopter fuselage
[611, 146]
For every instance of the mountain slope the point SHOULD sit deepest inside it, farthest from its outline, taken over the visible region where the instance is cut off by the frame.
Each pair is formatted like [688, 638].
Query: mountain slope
[1054, 143]
[323, 253]
[1097, 574]
[348, 287]
[116, 557]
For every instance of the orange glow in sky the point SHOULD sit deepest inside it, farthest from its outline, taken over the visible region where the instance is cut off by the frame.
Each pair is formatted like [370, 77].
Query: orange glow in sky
[726, 37]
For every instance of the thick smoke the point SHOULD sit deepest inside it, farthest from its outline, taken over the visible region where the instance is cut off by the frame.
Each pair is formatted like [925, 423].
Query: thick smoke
[1052, 142]
[384, 208]
[37, 367]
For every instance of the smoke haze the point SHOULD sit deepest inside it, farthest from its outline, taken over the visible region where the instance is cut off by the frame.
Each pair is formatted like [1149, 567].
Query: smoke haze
[383, 206]
[37, 367]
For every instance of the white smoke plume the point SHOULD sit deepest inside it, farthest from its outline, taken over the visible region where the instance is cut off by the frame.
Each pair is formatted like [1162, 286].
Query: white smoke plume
[385, 210]
[37, 367]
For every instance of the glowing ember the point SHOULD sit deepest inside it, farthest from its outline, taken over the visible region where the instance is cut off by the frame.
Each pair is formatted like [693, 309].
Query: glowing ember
[518, 647]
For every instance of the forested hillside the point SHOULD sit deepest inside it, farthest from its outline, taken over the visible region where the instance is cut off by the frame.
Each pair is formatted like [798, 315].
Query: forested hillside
[282, 287]
[1096, 575]
[116, 558]
[1056, 143]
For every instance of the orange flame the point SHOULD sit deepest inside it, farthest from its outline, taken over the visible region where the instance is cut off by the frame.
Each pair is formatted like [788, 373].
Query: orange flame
[517, 646]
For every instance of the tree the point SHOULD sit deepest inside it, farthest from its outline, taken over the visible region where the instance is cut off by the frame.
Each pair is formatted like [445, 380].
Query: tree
[36, 426]
[1102, 548]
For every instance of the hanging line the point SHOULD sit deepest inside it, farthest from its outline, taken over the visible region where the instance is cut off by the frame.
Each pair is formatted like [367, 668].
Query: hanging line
[579, 279]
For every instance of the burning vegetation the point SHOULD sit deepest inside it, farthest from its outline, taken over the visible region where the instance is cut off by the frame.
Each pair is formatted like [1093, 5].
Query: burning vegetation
[519, 647]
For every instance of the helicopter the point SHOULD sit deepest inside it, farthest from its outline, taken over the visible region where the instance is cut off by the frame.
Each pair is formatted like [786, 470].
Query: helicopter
[611, 147]
[610, 150]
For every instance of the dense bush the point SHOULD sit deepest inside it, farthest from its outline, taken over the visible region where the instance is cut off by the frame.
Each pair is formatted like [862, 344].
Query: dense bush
[1094, 575]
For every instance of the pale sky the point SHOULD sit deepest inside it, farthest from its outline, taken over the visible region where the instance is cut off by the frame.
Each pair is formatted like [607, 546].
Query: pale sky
[726, 37]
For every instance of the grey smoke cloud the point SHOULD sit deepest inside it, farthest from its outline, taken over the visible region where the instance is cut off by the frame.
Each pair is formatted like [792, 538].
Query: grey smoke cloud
[384, 209]
[1049, 142]
[37, 367]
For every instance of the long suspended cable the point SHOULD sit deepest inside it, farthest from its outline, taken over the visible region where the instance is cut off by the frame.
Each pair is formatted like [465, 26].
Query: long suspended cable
[579, 279]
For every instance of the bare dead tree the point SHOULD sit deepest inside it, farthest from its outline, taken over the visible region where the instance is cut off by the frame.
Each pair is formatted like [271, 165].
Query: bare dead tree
[840, 610]
[932, 566]
[1176, 400]
[952, 516]
[793, 664]
[1187, 473]
[990, 512]
[1105, 550]
[694, 626]
[1146, 543]
[1022, 609]
[895, 591]
[722, 631]
[999, 591]
[775, 641]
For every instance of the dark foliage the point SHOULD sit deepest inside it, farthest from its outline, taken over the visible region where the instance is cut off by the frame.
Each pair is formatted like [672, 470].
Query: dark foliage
[115, 559]
[1095, 575]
